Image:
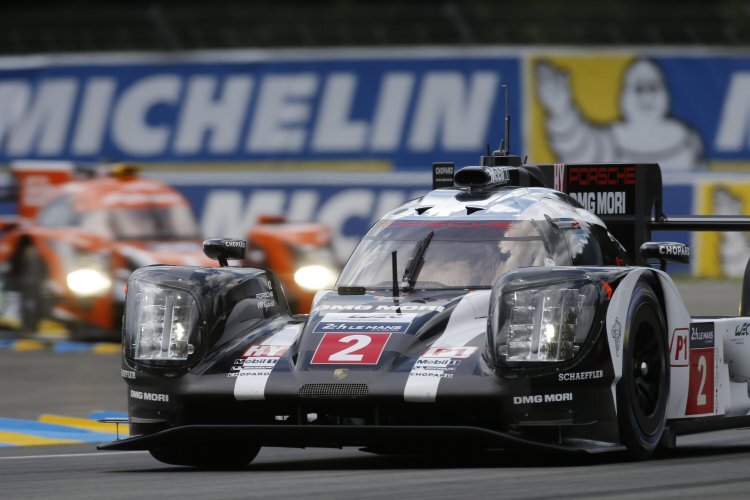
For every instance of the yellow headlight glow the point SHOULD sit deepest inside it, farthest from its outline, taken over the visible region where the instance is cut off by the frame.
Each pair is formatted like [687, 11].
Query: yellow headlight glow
[315, 277]
[88, 282]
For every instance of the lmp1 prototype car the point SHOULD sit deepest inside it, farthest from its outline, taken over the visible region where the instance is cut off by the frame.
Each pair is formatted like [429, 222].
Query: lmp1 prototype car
[82, 231]
[497, 311]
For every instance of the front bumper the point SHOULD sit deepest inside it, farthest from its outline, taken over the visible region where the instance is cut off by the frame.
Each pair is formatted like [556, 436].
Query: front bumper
[337, 436]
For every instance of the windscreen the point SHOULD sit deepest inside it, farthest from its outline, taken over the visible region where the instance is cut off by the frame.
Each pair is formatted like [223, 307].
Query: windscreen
[459, 254]
[143, 223]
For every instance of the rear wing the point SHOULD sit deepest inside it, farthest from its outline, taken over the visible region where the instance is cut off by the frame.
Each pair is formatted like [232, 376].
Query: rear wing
[628, 198]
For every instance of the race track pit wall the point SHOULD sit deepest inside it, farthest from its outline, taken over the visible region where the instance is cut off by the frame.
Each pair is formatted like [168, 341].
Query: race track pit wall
[59, 429]
[45, 345]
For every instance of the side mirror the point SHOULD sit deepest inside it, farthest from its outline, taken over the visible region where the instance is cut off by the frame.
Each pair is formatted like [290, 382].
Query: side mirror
[665, 252]
[223, 249]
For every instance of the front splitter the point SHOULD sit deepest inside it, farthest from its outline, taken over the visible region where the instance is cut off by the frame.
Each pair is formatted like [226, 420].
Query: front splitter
[338, 436]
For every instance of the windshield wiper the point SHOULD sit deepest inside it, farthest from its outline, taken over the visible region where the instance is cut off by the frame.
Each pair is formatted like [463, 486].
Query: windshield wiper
[416, 261]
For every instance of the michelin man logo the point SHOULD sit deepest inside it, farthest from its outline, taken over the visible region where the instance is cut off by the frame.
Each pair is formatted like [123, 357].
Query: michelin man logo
[644, 132]
[734, 246]
[616, 334]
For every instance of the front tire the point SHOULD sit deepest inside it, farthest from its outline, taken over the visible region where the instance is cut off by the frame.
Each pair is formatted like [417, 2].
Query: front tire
[220, 455]
[34, 297]
[643, 390]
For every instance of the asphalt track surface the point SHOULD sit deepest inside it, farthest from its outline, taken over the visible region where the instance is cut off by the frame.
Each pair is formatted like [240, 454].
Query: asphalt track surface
[76, 383]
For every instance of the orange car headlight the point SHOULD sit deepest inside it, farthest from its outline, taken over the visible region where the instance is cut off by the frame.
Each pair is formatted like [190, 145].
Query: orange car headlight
[88, 282]
[315, 277]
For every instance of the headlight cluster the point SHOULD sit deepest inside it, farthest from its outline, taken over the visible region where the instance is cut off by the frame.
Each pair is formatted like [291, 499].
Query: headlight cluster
[160, 322]
[544, 323]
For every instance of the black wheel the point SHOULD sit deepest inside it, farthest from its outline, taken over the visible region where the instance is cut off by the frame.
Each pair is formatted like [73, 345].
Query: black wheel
[34, 297]
[643, 390]
[207, 455]
[745, 299]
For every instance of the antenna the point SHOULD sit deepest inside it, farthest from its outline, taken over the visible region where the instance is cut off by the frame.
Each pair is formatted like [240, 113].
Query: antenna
[507, 121]
[503, 157]
[394, 264]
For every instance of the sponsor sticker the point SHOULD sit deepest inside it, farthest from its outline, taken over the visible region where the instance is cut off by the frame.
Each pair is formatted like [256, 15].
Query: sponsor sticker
[616, 334]
[678, 347]
[379, 307]
[449, 352]
[575, 376]
[674, 249]
[257, 360]
[265, 299]
[434, 367]
[350, 349]
[440, 362]
[149, 396]
[701, 398]
[602, 189]
[742, 330]
[365, 322]
[128, 374]
[265, 351]
[543, 398]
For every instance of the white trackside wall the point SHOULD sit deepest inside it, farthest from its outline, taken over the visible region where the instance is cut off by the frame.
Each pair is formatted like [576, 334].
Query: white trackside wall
[709, 357]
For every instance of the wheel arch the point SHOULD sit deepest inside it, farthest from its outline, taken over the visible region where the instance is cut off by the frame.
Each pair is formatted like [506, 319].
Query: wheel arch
[673, 309]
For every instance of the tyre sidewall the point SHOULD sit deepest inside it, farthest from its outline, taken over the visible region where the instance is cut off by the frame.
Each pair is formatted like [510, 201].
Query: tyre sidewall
[638, 432]
[33, 296]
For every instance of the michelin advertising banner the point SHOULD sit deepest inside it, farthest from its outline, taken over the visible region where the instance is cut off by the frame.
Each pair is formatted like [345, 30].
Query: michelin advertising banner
[396, 110]
[392, 112]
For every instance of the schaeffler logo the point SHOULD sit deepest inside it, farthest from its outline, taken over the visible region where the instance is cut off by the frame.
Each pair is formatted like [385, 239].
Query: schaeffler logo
[616, 334]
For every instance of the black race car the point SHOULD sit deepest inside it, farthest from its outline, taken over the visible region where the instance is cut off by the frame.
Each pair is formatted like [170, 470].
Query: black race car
[497, 311]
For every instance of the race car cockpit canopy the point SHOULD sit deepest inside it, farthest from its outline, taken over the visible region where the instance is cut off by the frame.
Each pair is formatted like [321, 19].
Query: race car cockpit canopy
[442, 252]
[452, 254]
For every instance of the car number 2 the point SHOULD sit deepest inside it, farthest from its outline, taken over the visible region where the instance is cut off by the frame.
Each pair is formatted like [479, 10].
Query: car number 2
[703, 370]
[350, 348]
[700, 400]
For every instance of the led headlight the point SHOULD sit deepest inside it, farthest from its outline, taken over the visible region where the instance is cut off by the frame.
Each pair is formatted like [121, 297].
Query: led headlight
[315, 277]
[160, 322]
[544, 323]
[88, 282]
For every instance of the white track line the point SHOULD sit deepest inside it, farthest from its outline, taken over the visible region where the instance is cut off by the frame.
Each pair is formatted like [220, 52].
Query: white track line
[66, 455]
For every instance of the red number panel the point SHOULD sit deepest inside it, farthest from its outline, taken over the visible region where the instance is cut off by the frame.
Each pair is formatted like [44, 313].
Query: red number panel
[701, 386]
[350, 348]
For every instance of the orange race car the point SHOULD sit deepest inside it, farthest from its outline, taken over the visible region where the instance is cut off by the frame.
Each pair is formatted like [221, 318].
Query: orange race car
[300, 254]
[80, 233]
